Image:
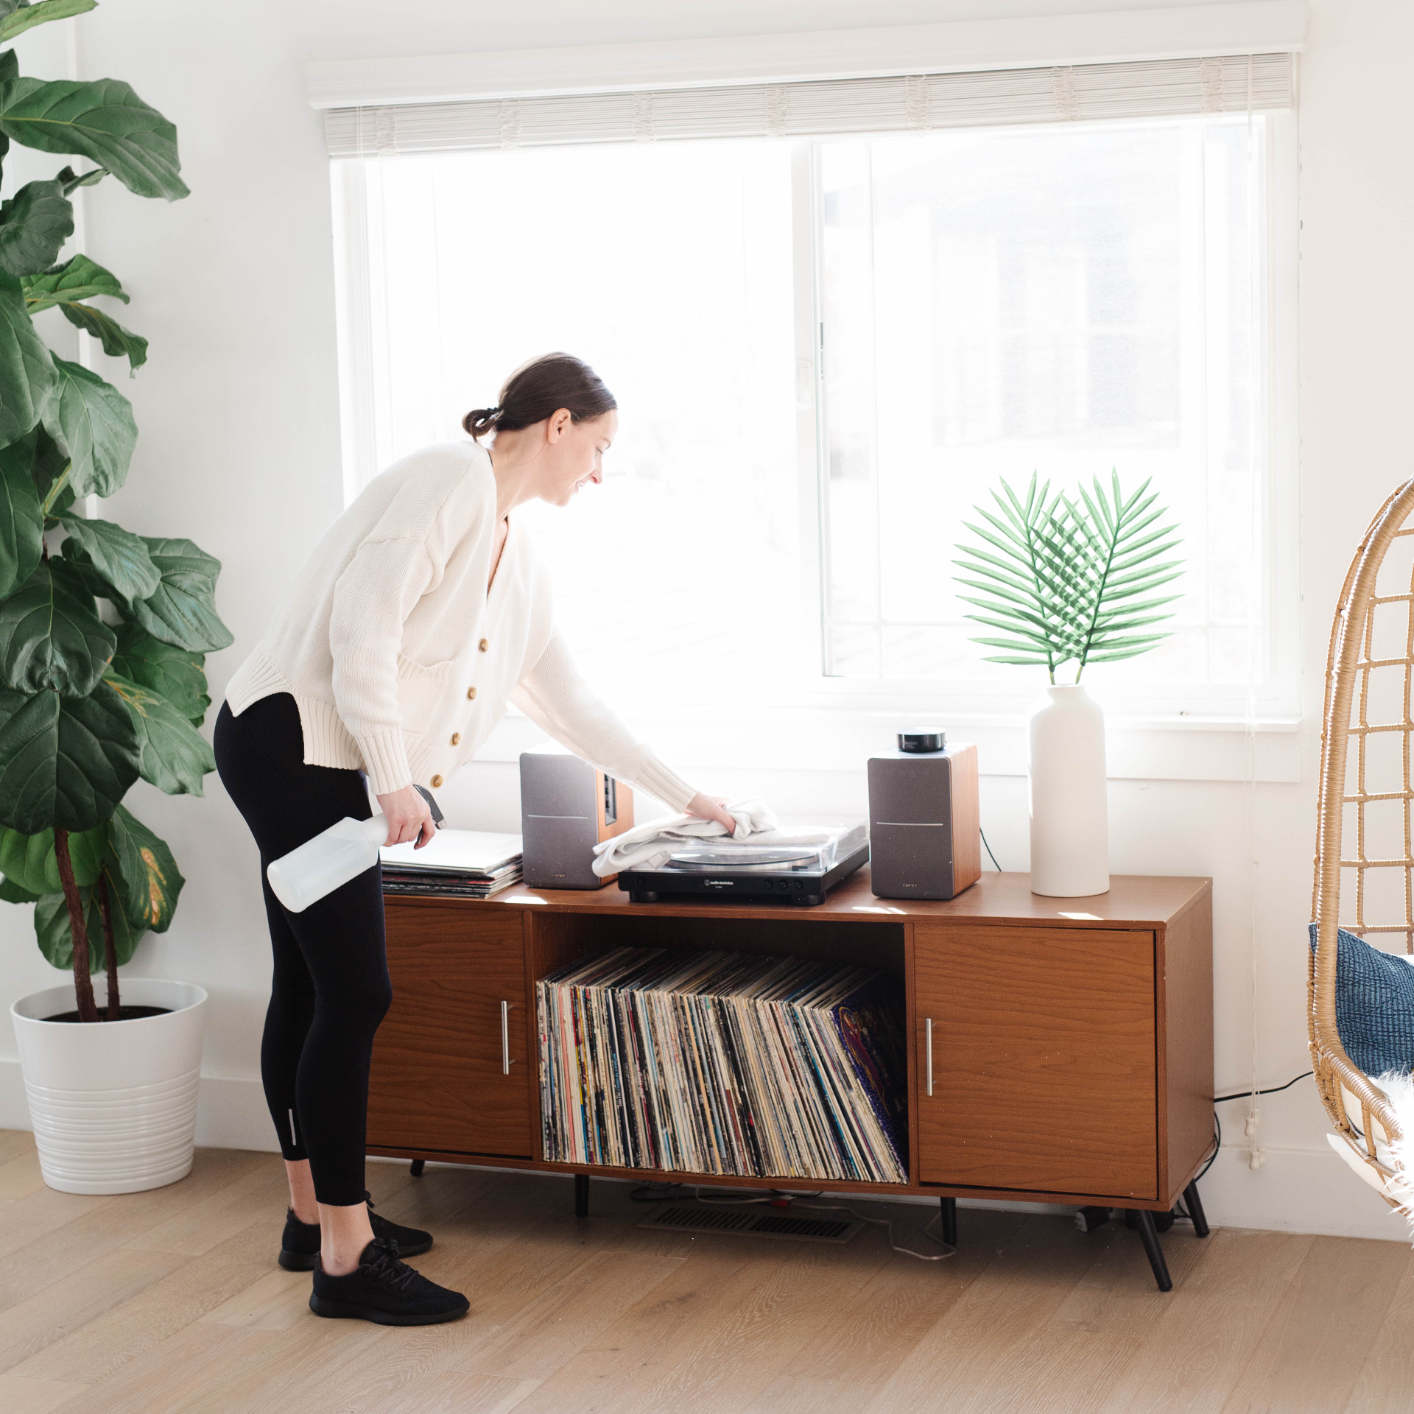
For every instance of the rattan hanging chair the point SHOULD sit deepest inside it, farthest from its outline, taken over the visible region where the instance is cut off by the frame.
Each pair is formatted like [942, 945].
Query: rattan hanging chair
[1364, 876]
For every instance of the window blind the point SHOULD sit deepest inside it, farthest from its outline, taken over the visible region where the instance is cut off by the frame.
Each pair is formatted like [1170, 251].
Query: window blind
[918, 102]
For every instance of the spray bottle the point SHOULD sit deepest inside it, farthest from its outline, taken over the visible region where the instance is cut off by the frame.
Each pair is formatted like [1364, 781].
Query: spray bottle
[340, 853]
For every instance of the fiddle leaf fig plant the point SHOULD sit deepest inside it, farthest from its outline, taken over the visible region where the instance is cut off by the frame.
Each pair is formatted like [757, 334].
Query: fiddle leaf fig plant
[103, 632]
[1070, 578]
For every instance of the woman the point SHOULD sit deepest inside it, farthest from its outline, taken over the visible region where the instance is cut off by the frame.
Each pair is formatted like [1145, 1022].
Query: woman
[418, 615]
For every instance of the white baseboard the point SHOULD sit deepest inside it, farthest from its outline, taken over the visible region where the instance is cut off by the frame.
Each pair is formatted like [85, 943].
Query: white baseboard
[230, 1114]
[1297, 1190]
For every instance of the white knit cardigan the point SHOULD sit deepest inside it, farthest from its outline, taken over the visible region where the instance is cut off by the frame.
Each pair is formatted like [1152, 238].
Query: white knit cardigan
[399, 659]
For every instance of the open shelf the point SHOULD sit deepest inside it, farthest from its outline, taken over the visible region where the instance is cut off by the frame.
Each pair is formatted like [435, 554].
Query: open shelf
[730, 1107]
[557, 939]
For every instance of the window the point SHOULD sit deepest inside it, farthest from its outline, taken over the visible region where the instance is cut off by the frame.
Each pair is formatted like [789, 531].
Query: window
[825, 353]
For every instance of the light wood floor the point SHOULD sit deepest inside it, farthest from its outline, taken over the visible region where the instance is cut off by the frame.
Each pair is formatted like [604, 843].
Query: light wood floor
[171, 1301]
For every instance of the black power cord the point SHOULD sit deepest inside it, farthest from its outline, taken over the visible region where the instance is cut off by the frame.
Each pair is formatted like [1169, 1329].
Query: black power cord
[1217, 1147]
[1275, 1090]
[1218, 1124]
[988, 848]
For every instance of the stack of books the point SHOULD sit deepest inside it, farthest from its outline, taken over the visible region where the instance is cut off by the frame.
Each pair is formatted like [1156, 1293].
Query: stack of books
[462, 863]
[724, 1063]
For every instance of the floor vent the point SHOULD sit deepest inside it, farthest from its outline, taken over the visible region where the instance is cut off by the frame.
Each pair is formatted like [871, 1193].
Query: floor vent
[746, 1222]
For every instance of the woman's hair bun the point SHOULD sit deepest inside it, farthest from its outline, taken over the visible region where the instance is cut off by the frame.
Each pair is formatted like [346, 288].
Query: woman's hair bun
[539, 389]
[479, 421]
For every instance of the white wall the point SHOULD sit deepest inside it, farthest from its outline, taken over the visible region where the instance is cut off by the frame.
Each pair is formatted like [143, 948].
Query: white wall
[239, 450]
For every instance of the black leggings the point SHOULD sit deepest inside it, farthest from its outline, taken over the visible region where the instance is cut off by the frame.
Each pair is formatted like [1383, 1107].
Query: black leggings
[330, 987]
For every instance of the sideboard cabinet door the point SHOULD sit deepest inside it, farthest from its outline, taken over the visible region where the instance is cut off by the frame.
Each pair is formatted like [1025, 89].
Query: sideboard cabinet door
[439, 1078]
[1043, 1059]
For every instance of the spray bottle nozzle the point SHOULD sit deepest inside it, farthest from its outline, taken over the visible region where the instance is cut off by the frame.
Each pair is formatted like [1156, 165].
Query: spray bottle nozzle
[437, 816]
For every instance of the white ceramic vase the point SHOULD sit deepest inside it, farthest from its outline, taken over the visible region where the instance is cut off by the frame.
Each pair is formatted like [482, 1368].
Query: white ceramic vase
[1070, 851]
[113, 1103]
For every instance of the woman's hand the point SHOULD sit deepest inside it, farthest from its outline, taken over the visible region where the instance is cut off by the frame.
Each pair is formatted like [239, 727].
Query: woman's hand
[711, 807]
[408, 817]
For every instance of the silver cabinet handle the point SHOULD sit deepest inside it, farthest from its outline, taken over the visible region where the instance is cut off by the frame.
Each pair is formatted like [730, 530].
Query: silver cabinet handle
[505, 1038]
[928, 1045]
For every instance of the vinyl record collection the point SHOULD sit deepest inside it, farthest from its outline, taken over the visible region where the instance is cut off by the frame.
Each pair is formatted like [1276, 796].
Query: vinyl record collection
[459, 863]
[459, 884]
[724, 1063]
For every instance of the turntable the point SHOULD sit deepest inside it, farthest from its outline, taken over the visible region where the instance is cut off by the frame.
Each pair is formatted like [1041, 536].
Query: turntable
[799, 875]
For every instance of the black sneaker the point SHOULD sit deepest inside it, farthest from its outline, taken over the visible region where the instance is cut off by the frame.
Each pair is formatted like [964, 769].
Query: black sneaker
[385, 1291]
[412, 1241]
[300, 1244]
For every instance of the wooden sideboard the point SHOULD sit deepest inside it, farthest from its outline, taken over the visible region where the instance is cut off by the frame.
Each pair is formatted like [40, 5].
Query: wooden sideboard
[1071, 1039]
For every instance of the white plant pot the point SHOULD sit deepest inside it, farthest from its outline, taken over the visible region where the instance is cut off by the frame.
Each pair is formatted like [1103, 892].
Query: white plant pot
[113, 1103]
[1070, 848]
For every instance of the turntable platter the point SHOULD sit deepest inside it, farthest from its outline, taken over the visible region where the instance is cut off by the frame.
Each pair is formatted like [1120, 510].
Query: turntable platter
[744, 859]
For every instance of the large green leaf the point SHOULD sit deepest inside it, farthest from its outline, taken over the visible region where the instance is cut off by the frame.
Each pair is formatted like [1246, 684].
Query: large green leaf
[54, 932]
[146, 874]
[64, 761]
[183, 610]
[177, 673]
[95, 423]
[55, 936]
[31, 862]
[21, 518]
[117, 341]
[27, 375]
[117, 554]
[11, 892]
[51, 636]
[104, 121]
[22, 16]
[78, 278]
[34, 224]
[172, 754]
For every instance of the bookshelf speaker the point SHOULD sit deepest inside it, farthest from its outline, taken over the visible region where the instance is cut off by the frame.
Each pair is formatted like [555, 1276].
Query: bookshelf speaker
[924, 837]
[566, 808]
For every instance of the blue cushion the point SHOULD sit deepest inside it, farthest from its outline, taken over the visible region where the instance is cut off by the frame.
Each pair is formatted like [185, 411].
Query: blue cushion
[1374, 1005]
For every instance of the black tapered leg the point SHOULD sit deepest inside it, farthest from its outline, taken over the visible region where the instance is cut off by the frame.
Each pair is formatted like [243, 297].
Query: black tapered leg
[417, 1166]
[1194, 1204]
[949, 1207]
[1144, 1220]
[581, 1195]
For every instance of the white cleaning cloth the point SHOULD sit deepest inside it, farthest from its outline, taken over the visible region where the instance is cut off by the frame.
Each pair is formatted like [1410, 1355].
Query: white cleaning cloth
[649, 846]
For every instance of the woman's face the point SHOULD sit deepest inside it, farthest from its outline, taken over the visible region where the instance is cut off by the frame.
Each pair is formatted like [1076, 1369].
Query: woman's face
[575, 454]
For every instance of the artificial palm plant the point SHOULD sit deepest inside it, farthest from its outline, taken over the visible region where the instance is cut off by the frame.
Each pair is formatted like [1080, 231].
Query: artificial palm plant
[1070, 578]
[103, 633]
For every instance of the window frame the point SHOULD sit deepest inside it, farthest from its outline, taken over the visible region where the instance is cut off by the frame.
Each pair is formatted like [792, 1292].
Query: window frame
[1252, 739]
[1277, 702]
